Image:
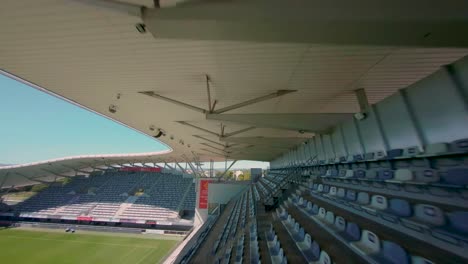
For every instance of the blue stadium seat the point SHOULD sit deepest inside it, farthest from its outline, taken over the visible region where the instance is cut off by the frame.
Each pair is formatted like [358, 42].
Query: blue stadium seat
[358, 157]
[360, 174]
[385, 175]
[351, 195]
[457, 176]
[411, 151]
[313, 210]
[459, 221]
[457, 226]
[312, 253]
[352, 232]
[392, 253]
[380, 154]
[299, 236]
[393, 153]
[399, 207]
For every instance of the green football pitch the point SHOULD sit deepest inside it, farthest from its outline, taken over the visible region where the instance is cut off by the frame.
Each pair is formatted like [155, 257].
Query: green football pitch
[28, 246]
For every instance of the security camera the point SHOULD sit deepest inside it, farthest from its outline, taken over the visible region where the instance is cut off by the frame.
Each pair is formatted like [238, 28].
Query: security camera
[112, 108]
[160, 133]
[360, 116]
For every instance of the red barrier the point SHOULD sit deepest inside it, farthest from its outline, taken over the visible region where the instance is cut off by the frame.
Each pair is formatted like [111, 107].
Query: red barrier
[141, 169]
[203, 197]
[84, 218]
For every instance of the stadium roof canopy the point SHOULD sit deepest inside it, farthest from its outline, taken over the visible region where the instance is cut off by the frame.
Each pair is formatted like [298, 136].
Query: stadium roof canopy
[50, 170]
[228, 79]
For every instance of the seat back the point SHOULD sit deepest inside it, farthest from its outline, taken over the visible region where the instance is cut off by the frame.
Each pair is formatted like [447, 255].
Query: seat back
[379, 202]
[403, 175]
[369, 156]
[458, 176]
[353, 231]
[429, 214]
[394, 153]
[370, 242]
[324, 258]
[309, 205]
[400, 207]
[320, 188]
[301, 233]
[315, 248]
[436, 148]
[359, 173]
[340, 223]
[350, 195]
[315, 208]
[322, 213]
[332, 191]
[371, 174]
[330, 218]
[380, 154]
[385, 175]
[296, 227]
[307, 240]
[349, 174]
[411, 151]
[426, 175]
[301, 201]
[326, 188]
[340, 193]
[362, 198]
[394, 254]
[459, 221]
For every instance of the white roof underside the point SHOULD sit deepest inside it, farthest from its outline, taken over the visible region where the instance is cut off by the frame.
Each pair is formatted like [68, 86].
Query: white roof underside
[89, 55]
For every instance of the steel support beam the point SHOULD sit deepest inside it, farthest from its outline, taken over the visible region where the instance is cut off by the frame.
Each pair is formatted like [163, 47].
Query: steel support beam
[254, 101]
[181, 168]
[199, 128]
[417, 23]
[305, 122]
[209, 140]
[179, 103]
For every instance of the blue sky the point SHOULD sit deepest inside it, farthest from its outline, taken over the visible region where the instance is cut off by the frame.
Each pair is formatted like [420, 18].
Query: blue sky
[36, 126]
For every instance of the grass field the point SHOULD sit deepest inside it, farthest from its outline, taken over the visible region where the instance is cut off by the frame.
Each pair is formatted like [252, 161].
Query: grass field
[38, 247]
